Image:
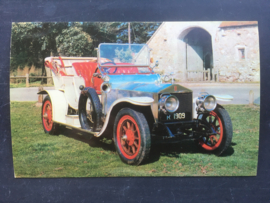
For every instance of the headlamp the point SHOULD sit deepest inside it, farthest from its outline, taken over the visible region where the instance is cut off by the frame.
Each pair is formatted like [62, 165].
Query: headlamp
[169, 102]
[206, 102]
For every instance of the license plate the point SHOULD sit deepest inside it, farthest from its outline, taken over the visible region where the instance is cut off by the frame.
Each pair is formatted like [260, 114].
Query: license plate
[176, 116]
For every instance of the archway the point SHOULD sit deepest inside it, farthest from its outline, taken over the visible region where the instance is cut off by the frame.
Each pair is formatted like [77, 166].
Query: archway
[199, 55]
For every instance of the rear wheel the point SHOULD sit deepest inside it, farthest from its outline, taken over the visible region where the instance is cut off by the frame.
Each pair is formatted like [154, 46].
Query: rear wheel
[132, 136]
[47, 117]
[219, 123]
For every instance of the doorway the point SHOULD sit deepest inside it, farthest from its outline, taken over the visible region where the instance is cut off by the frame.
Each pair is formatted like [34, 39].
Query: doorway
[199, 55]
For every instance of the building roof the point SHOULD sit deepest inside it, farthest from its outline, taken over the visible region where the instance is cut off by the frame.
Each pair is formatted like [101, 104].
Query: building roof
[237, 23]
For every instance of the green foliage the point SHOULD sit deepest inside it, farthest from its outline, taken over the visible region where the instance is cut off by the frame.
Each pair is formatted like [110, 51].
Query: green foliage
[140, 32]
[74, 154]
[74, 42]
[24, 46]
[32, 42]
[101, 32]
[31, 80]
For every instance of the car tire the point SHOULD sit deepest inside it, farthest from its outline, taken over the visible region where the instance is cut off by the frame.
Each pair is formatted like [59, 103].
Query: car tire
[220, 122]
[94, 123]
[132, 137]
[49, 126]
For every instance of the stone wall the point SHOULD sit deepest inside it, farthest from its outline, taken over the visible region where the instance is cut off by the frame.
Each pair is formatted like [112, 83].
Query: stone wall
[169, 49]
[168, 46]
[228, 60]
[165, 50]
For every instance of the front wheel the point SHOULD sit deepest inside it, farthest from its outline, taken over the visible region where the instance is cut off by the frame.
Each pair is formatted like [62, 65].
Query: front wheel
[131, 136]
[219, 123]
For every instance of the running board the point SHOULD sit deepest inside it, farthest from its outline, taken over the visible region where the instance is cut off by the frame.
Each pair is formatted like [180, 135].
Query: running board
[72, 121]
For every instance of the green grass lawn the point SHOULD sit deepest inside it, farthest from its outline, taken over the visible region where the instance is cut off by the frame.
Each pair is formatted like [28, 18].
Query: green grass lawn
[74, 154]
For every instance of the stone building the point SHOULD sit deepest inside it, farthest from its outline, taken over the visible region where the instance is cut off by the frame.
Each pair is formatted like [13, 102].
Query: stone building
[208, 51]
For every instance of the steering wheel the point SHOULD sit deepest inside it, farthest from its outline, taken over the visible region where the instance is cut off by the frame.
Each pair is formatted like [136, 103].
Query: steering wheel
[108, 69]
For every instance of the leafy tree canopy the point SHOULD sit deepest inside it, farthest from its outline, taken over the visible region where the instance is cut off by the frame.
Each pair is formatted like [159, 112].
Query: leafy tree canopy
[140, 32]
[74, 42]
[32, 42]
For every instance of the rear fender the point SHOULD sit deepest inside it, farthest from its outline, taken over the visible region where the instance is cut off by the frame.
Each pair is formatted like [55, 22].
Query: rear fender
[59, 104]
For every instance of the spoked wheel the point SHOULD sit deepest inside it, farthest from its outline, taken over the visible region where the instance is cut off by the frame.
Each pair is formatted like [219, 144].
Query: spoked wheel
[132, 136]
[128, 136]
[219, 123]
[47, 117]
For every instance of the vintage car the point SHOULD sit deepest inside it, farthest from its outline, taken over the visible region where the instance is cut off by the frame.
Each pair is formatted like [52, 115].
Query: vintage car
[117, 95]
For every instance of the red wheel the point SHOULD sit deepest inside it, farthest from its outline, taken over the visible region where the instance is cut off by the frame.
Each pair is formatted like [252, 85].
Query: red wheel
[47, 117]
[131, 136]
[219, 123]
[213, 141]
[128, 137]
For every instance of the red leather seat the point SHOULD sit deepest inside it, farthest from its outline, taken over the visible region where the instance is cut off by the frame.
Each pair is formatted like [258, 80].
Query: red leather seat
[86, 70]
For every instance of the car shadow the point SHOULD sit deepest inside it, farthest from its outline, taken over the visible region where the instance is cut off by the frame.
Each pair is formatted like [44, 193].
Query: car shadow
[175, 150]
[105, 144]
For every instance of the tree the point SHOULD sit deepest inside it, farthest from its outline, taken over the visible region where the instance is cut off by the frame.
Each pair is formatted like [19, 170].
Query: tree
[73, 41]
[101, 32]
[117, 32]
[140, 32]
[32, 42]
[25, 45]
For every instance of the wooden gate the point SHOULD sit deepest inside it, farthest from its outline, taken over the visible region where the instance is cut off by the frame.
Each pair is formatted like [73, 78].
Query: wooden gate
[202, 75]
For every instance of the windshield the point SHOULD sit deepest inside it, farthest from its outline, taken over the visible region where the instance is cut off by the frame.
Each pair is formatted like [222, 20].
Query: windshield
[124, 58]
[124, 55]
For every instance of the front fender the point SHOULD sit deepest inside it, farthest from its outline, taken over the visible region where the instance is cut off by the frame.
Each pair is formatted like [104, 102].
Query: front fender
[223, 97]
[139, 101]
